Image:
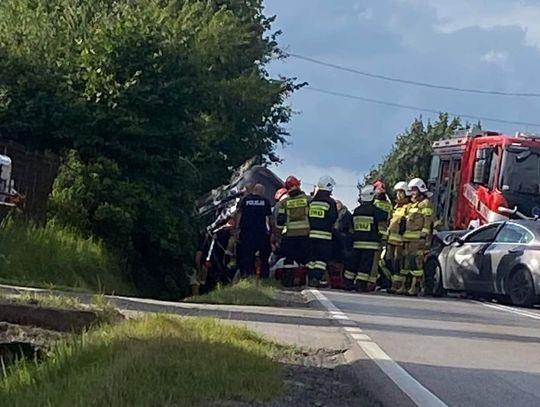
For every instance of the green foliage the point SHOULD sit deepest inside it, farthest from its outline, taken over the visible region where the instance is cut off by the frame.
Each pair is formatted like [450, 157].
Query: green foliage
[155, 101]
[410, 156]
[55, 256]
[154, 361]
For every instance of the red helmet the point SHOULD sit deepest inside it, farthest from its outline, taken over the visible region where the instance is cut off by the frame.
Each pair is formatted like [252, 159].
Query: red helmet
[279, 194]
[291, 182]
[379, 186]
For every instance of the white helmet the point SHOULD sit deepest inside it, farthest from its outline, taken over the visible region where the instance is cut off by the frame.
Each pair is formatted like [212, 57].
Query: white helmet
[326, 183]
[401, 185]
[418, 183]
[367, 194]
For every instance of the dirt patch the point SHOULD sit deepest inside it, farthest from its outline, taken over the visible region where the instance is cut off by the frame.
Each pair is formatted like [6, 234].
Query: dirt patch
[26, 342]
[290, 298]
[47, 318]
[317, 379]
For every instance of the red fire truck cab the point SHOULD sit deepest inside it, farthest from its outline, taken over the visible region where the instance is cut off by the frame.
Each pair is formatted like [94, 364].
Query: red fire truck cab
[475, 173]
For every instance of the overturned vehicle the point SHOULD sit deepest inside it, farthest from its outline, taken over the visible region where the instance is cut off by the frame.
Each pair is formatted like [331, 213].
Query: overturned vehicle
[215, 261]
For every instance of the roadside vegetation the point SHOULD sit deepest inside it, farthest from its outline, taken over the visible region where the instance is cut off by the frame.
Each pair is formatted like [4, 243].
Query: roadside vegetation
[244, 292]
[157, 360]
[411, 153]
[54, 256]
[149, 104]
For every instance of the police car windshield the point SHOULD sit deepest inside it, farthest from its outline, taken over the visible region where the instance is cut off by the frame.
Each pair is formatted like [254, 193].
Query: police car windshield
[521, 171]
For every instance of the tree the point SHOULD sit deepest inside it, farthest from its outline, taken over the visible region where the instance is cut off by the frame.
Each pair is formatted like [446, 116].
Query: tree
[410, 156]
[150, 102]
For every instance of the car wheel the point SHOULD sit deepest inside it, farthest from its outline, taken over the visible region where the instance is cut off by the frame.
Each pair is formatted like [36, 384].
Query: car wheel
[521, 288]
[434, 278]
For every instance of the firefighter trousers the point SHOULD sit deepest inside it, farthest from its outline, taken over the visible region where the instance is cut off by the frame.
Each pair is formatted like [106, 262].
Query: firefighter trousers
[394, 262]
[295, 248]
[320, 253]
[413, 264]
[362, 269]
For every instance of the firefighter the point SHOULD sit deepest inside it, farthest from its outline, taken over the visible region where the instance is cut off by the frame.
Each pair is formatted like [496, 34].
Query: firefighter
[383, 202]
[253, 220]
[394, 248]
[417, 236]
[279, 196]
[293, 223]
[362, 268]
[322, 217]
[342, 238]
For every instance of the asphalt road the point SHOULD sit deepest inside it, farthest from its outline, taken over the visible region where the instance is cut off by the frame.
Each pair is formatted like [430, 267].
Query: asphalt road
[464, 353]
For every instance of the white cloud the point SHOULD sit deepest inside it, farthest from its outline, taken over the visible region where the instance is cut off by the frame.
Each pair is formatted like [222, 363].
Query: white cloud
[452, 16]
[309, 174]
[495, 57]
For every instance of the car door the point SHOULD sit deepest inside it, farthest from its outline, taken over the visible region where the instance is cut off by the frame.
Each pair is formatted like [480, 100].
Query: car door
[466, 265]
[505, 253]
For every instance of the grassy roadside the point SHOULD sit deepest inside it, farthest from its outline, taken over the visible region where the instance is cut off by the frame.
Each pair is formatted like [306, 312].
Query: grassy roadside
[52, 256]
[155, 361]
[244, 292]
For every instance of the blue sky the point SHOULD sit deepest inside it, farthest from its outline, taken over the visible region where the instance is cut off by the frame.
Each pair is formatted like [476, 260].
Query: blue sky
[492, 44]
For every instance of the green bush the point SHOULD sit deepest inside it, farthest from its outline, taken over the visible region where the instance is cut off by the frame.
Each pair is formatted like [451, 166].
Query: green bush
[55, 256]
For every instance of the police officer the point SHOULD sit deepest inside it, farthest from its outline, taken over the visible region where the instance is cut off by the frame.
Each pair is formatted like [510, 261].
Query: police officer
[417, 236]
[362, 268]
[254, 220]
[322, 217]
[293, 223]
[394, 248]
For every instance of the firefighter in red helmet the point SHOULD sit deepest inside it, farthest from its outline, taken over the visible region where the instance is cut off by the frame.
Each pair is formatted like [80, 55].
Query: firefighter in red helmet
[293, 222]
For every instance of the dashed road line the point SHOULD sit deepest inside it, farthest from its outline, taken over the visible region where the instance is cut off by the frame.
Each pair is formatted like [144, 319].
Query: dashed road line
[420, 395]
[504, 308]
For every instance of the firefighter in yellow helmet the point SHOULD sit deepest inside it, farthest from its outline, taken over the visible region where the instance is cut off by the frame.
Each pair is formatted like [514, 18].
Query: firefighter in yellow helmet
[393, 260]
[417, 236]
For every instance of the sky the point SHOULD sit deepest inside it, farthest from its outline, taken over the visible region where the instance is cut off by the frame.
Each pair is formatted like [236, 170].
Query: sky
[486, 44]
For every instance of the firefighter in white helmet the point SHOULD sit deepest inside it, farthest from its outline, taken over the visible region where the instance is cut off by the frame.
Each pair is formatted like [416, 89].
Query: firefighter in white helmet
[417, 236]
[393, 259]
[361, 270]
[322, 216]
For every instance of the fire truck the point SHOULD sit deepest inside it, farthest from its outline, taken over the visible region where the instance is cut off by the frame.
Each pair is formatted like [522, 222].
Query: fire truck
[483, 176]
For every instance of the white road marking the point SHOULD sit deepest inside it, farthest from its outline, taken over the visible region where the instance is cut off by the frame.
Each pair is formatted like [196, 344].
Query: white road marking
[361, 337]
[420, 395]
[353, 329]
[520, 312]
[339, 316]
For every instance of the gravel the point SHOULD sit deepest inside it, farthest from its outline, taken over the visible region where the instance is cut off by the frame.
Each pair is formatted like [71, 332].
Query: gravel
[316, 379]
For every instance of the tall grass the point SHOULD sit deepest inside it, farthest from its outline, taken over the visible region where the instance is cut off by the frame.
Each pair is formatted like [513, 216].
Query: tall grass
[155, 361]
[55, 256]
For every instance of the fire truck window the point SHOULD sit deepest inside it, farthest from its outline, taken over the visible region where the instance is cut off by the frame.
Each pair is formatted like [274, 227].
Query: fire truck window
[521, 173]
[493, 169]
[482, 166]
[434, 172]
